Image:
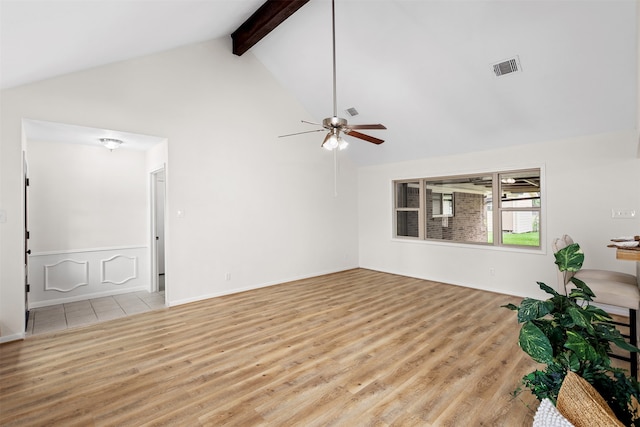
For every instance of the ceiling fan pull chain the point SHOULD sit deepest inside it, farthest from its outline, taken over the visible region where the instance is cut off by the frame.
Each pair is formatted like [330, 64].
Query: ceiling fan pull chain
[335, 173]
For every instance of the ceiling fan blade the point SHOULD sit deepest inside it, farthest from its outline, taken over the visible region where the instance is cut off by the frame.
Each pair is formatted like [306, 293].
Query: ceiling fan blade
[376, 126]
[311, 123]
[300, 133]
[367, 138]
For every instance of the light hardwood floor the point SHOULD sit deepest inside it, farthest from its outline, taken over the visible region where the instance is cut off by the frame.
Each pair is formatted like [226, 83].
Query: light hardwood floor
[356, 348]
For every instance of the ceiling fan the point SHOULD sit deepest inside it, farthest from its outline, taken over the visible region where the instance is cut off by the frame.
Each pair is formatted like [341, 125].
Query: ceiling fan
[334, 124]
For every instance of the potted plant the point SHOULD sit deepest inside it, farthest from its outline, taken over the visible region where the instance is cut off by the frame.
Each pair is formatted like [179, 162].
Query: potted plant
[566, 332]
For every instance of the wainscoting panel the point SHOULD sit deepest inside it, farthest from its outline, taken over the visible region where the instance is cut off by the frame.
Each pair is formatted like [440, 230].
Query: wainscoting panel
[66, 276]
[119, 269]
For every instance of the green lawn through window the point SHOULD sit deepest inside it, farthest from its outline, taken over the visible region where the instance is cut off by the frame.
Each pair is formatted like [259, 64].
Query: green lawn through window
[522, 239]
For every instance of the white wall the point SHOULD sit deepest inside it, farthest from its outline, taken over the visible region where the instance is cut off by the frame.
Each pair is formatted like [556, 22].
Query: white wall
[638, 76]
[252, 205]
[83, 197]
[87, 221]
[156, 157]
[584, 178]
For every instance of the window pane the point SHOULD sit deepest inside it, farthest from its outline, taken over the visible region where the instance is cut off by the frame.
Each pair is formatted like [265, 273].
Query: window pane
[458, 208]
[521, 228]
[441, 204]
[407, 224]
[447, 204]
[520, 189]
[408, 194]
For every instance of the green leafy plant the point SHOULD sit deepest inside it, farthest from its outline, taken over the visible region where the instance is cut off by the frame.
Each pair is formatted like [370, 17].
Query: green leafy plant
[566, 332]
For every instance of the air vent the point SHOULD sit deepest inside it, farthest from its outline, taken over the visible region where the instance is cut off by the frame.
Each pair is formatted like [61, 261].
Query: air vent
[507, 66]
[351, 111]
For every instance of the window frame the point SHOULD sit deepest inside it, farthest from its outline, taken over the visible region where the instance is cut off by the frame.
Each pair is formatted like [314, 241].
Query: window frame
[419, 209]
[497, 209]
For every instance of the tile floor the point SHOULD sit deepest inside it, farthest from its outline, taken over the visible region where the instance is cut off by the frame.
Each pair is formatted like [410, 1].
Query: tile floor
[82, 313]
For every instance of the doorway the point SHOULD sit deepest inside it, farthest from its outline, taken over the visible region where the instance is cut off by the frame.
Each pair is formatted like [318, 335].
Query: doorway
[77, 221]
[158, 203]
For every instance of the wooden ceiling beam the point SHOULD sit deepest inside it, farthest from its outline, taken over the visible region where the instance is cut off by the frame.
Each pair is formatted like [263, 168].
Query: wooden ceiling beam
[271, 14]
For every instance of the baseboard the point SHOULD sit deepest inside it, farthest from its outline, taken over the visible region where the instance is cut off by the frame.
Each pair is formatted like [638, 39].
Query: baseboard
[14, 337]
[94, 295]
[492, 289]
[249, 288]
[620, 311]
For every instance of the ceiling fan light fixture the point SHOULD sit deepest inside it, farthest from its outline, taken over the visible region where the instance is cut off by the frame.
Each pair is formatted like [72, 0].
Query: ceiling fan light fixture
[330, 141]
[342, 144]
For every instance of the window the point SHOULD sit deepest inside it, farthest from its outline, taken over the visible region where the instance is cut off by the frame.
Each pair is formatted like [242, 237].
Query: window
[442, 204]
[520, 208]
[408, 208]
[499, 209]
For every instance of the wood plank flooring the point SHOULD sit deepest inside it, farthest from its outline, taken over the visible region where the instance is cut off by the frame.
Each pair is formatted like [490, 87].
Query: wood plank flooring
[356, 348]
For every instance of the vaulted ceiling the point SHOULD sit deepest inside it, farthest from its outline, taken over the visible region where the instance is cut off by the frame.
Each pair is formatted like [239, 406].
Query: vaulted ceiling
[422, 68]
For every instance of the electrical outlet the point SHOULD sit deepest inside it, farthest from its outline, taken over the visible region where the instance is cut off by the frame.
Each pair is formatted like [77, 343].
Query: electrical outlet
[492, 271]
[227, 276]
[623, 213]
[3, 216]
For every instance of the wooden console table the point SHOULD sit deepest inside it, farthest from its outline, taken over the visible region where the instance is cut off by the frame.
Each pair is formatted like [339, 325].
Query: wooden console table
[628, 254]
